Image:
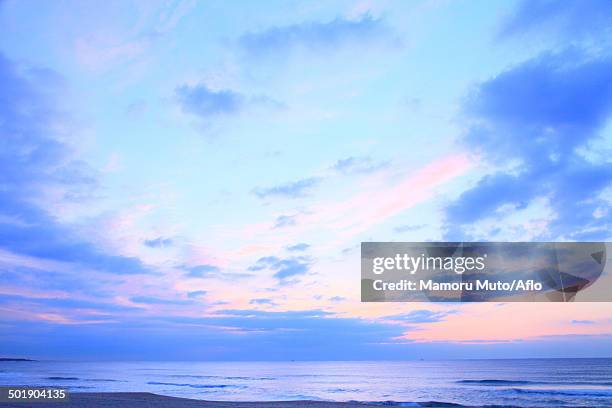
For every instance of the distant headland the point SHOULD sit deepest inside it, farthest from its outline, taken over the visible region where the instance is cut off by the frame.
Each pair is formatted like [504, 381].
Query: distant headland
[15, 359]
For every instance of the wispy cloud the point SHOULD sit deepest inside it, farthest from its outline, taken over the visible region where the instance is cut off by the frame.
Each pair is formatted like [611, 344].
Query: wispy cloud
[99, 51]
[316, 36]
[408, 228]
[159, 242]
[202, 101]
[285, 221]
[574, 19]
[150, 300]
[293, 189]
[359, 165]
[262, 301]
[298, 247]
[283, 269]
[422, 316]
[196, 294]
[583, 322]
[359, 212]
[201, 271]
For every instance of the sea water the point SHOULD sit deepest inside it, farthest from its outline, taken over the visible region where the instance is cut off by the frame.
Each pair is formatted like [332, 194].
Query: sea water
[519, 383]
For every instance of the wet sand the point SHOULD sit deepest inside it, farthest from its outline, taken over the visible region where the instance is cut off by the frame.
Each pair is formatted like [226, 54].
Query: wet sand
[148, 400]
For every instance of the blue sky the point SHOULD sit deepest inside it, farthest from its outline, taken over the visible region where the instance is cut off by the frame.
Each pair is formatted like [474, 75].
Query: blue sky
[197, 176]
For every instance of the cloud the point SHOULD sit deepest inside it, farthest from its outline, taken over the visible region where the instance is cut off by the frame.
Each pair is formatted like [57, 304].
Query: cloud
[358, 212]
[159, 242]
[257, 334]
[49, 304]
[408, 228]
[98, 55]
[201, 101]
[103, 49]
[298, 247]
[582, 322]
[261, 301]
[337, 299]
[263, 263]
[283, 268]
[151, 300]
[572, 18]
[358, 165]
[285, 221]
[289, 268]
[196, 294]
[292, 189]
[315, 36]
[201, 271]
[271, 336]
[136, 109]
[50, 277]
[226, 335]
[33, 160]
[205, 271]
[535, 118]
[422, 316]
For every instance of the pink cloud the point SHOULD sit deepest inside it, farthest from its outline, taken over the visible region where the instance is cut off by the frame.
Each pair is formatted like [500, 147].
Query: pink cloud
[370, 208]
[379, 201]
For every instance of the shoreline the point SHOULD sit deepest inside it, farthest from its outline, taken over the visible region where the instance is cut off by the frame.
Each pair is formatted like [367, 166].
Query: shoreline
[150, 400]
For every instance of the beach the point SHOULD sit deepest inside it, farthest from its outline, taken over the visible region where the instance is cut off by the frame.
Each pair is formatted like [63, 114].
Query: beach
[149, 400]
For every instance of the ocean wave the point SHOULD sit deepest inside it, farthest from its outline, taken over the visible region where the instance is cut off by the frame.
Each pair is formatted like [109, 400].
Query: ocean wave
[440, 404]
[154, 369]
[522, 382]
[192, 376]
[496, 382]
[193, 385]
[219, 376]
[592, 392]
[343, 390]
[63, 378]
[329, 375]
[429, 404]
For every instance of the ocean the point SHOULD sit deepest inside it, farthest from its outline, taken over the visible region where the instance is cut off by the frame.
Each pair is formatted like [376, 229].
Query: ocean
[517, 383]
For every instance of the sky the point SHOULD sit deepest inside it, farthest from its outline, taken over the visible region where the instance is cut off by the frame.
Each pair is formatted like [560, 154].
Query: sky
[190, 180]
